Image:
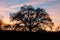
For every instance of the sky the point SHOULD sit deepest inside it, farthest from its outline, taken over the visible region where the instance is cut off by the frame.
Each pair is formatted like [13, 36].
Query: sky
[51, 6]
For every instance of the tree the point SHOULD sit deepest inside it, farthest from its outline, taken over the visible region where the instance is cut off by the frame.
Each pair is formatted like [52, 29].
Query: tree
[58, 28]
[0, 22]
[32, 18]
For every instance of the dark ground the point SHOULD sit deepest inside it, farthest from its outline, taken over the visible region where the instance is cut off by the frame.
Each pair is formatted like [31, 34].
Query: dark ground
[38, 35]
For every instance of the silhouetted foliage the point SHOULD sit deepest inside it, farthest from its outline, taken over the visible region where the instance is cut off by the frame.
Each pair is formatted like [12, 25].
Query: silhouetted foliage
[32, 18]
[0, 22]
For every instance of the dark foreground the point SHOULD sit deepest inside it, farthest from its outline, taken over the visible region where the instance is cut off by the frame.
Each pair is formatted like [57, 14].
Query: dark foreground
[37, 35]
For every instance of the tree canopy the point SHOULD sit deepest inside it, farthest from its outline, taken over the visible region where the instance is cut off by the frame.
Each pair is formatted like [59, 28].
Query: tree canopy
[32, 19]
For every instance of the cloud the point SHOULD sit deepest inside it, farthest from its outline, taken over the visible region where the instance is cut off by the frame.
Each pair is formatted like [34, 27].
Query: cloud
[36, 2]
[28, 3]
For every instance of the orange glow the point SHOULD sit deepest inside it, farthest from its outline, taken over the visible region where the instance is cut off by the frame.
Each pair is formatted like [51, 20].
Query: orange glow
[8, 21]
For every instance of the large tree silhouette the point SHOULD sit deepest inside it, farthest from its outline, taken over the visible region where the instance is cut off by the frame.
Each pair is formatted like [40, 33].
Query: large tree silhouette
[31, 19]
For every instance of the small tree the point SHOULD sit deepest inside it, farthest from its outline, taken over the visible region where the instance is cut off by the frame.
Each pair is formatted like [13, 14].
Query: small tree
[32, 18]
[0, 22]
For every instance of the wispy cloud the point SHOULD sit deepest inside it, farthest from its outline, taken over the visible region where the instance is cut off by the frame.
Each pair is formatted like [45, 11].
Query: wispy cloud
[36, 2]
[7, 9]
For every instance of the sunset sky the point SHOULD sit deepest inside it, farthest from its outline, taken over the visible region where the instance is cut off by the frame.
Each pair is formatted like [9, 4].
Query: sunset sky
[51, 6]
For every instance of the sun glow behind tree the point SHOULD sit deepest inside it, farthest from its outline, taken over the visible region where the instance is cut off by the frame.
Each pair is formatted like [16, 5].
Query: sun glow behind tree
[46, 25]
[32, 18]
